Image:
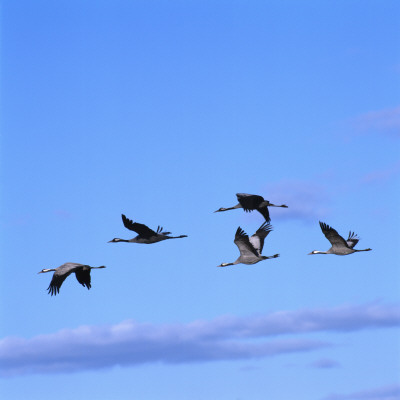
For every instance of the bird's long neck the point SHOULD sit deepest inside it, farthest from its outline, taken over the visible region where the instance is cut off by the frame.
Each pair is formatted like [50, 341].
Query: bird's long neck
[101, 266]
[233, 208]
[230, 208]
[363, 250]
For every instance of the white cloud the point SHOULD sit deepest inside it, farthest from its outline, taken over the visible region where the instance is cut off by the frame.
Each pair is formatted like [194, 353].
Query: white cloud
[224, 338]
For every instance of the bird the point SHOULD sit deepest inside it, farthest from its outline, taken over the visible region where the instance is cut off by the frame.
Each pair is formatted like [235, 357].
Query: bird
[340, 246]
[145, 234]
[251, 248]
[250, 202]
[82, 273]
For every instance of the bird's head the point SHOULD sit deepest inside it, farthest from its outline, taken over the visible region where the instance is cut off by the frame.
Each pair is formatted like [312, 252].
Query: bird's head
[220, 209]
[45, 270]
[315, 252]
[224, 264]
[115, 240]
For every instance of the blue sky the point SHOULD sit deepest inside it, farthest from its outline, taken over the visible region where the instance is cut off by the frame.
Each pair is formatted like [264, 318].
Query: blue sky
[163, 111]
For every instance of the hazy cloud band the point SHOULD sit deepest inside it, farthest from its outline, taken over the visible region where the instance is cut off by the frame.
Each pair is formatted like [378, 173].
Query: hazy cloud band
[224, 338]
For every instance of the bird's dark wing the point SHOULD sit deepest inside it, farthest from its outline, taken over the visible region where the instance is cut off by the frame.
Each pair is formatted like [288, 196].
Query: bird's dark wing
[243, 243]
[257, 240]
[249, 202]
[56, 283]
[332, 235]
[140, 229]
[83, 276]
[352, 239]
[265, 213]
[59, 276]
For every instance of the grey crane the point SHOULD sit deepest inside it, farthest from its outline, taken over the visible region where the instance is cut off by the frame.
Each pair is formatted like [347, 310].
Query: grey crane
[251, 248]
[250, 202]
[340, 246]
[145, 234]
[82, 273]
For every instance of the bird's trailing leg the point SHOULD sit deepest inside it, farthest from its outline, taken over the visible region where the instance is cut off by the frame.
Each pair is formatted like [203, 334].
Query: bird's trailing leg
[176, 237]
[266, 257]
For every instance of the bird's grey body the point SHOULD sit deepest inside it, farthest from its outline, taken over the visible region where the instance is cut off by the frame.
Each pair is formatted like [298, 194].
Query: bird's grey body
[82, 273]
[340, 246]
[250, 202]
[251, 248]
[145, 234]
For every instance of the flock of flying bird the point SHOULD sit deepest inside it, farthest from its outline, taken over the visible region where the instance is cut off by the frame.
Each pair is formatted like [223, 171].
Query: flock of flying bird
[250, 247]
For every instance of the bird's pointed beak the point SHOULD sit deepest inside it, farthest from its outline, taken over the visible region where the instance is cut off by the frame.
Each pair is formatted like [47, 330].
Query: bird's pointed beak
[40, 272]
[310, 253]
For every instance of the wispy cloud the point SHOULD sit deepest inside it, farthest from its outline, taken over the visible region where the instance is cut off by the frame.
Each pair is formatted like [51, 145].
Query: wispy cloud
[383, 121]
[64, 214]
[325, 363]
[307, 201]
[129, 344]
[391, 392]
[224, 338]
[382, 175]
